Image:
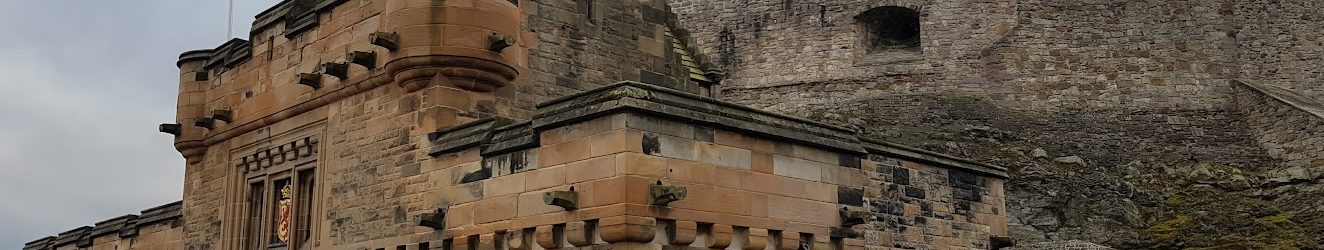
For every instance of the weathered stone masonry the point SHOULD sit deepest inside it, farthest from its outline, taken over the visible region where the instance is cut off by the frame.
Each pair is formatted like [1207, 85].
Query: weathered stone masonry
[1133, 89]
[154, 228]
[1287, 125]
[413, 125]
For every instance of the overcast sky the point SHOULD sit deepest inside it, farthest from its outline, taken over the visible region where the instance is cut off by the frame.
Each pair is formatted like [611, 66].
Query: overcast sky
[83, 84]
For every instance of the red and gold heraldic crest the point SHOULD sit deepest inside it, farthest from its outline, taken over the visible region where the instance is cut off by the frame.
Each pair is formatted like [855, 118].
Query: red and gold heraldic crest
[283, 223]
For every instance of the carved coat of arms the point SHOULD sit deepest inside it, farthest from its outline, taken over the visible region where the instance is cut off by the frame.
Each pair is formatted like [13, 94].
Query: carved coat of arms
[283, 224]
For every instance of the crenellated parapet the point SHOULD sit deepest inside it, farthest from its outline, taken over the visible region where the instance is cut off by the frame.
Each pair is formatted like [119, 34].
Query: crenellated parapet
[154, 228]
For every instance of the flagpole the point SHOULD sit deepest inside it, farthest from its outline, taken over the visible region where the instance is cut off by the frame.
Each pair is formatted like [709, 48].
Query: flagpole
[229, 22]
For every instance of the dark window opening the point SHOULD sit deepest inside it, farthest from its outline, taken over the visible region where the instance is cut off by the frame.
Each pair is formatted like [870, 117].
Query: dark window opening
[890, 28]
[304, 220]
[254, 234]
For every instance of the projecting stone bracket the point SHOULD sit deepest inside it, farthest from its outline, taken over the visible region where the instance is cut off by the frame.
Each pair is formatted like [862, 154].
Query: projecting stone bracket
[364, 58]
[338, 70]
[171, 128]
[204, 122]
[569, 200]
[851, 218]
[661, 195]
[224, 115]
[388, 41]
[499, 42]
[435, 220]
[310, 80]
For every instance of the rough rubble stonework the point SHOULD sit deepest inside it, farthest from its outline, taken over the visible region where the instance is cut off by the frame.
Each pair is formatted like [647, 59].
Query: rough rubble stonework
[1106, 112]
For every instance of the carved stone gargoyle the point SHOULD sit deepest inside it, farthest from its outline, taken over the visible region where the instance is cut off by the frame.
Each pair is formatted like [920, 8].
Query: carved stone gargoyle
[661, 195]
[569, 200]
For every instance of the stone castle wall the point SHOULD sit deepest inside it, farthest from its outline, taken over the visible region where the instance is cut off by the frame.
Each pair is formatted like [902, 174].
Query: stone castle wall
[1285, 124]
[1092, 98]
[1280, 43]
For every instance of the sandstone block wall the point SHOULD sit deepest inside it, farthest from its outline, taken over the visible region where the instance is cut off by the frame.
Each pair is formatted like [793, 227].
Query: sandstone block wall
[369, 119]
[745, 190]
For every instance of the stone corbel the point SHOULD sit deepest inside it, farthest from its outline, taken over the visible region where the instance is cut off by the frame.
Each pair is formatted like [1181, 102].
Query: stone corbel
[581, 233]
[715, 236]
[222, 115]
[310, 80]
[568, 200]
[171, 128]
[627, 229]
[388, 41]
[338, 70]
[681, 233]
[752, 238]
[551, 236]
[521, 240]
[366, 59]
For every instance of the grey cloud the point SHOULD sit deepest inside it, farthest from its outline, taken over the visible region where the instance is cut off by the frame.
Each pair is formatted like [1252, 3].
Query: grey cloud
[83, 84]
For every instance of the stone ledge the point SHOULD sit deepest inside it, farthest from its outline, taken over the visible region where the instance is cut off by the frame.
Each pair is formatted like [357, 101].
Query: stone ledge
[1293, 99]
[511, 138]
[655, 100]
[925, 156]
[476, 133]
[43, 243]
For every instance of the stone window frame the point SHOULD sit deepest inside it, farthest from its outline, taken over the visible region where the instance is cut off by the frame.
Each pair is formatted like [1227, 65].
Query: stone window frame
[867, 26]
[266, 165]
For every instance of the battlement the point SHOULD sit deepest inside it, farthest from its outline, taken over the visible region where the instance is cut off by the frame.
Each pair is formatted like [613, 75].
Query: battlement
[128, 231]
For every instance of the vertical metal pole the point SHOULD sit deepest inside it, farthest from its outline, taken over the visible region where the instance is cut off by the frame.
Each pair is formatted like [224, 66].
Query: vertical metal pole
[229, 22]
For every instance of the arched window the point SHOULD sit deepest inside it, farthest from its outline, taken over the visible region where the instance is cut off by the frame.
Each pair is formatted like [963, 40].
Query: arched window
[890, 28]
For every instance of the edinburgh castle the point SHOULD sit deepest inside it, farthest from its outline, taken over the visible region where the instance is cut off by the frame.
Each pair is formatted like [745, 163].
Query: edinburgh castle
[748, 124]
